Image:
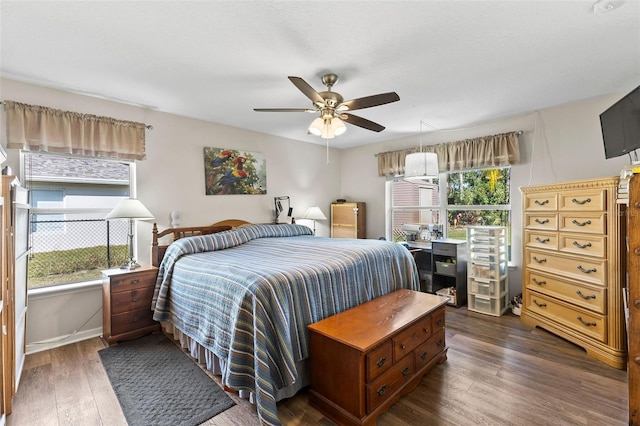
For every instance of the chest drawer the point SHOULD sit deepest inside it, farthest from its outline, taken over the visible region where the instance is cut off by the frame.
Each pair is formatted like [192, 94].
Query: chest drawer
[379, 360]
[588, 297]
[583, 244]
[426, 351]
[591, 270]
[589, 324]
[541, 221]
[135, 298]
[585, 200]
[409, 339]
[541, 201]
[387, 384]
[547, 240]
[589, 223]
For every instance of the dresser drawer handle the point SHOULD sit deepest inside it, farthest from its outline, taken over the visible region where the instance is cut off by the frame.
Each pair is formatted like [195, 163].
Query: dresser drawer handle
[382, 390]
[541, 222]
[636, 360]
[540, 305]
[637, 303]
[135, 281]
[539, 260]
[541, 203]
[134, 299]
[135, 319]
[382, 361]
[637, 251]
[586, 271]
[588, 324]
[587, 297]
[423, 356]
[426, 330]
[403, 347]
[575, 222]
[405, 371]
[535, 280]
[542, 240]
[577, 244]
[439, 344]
[439, 322]
[588, 200]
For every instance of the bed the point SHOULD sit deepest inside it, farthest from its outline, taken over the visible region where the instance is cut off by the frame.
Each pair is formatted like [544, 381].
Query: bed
[241, 299]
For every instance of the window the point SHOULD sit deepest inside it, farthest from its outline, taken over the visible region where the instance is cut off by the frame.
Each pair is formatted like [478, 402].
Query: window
[470, 197]
[70, 196]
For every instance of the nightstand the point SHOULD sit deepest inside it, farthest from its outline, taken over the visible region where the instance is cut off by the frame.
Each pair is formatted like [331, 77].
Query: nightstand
[126, 303]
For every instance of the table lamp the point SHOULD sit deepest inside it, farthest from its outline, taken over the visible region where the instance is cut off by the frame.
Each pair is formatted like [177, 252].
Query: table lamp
[314, 213]
[131, 209]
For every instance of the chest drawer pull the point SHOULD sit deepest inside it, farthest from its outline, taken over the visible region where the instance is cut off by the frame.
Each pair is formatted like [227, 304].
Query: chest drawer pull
[439, 322]
[423, 356]
[637, 360]
[541, 222]
[535, 280]
[588, 324]
[583, 202]
[405, 371]
[136, 281]
[439, 344]
[541, 203]
[540, 305]
[382, 390]
[577, 244]
[585, 223]
[382, 361]
[586, 271]
[587, 297]
[542, 240]
[539, 260]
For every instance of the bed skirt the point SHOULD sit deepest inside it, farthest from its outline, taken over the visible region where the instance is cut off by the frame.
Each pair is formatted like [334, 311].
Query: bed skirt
[217, 366]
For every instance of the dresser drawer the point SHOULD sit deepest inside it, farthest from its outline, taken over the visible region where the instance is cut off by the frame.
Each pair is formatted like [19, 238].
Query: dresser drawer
[541, 201]
[589, 324]
[131, 320]
[588, 297]
[136, 298]
[426, 351]
[547, 240]
[585, 200]
[387, 384]
[591, 223]
[438, 320]
[591, 270]
[409, 339]
[379, 360]
[583, 244]
[541, 221]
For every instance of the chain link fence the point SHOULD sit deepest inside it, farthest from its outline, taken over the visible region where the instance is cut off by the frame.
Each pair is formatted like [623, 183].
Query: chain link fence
[66, 250]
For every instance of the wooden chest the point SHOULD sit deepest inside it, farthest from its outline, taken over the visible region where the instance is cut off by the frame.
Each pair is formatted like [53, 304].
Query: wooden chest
[126, 303]
[364, 359]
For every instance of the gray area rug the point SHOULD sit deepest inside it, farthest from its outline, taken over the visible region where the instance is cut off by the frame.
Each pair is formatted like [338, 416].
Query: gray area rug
[158, 384]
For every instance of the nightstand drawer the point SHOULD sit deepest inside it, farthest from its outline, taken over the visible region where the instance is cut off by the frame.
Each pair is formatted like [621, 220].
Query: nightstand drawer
[136, 298]
[131, 281]
[132, 320]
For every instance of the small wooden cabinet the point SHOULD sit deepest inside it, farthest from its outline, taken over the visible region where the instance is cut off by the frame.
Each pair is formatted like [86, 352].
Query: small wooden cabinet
[348, 220]
[364, 359]
[126, 303]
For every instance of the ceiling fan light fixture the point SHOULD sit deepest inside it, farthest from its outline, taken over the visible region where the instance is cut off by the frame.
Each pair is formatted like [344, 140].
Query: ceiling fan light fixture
[316, 126]
[338, 126]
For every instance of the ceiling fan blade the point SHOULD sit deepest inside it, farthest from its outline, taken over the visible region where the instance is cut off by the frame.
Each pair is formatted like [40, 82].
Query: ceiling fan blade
[285, 110]
[369, 101]
[361, 122]
[308, 91]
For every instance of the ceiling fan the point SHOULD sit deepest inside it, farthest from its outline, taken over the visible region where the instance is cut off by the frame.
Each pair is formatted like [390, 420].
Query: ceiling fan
[333, 108]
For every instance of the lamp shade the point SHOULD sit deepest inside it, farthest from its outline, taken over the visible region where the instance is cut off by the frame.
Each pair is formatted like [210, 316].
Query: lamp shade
[130, 208]
[314, 213]
[421, 165]
[327, 128]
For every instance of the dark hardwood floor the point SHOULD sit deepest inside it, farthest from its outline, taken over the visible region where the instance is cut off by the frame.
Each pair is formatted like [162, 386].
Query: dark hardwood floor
[498, 372]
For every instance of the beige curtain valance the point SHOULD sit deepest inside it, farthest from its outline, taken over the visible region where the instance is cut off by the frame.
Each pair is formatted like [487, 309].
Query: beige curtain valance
[42, 129]
[486, 151]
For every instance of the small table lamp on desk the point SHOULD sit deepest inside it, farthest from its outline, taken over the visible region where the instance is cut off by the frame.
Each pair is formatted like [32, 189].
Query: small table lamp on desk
[314, 213]
[131, 209]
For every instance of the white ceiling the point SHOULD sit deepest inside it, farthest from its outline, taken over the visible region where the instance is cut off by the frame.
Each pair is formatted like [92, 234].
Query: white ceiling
[454, 64]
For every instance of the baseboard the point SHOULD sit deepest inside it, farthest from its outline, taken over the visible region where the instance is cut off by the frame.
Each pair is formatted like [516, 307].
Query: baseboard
[58, 341]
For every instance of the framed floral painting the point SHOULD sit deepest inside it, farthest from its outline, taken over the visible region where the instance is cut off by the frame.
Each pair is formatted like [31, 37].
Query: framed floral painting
[230, 171]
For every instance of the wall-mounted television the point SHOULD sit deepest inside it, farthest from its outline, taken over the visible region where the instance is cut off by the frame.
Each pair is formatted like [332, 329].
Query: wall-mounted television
[620, 125]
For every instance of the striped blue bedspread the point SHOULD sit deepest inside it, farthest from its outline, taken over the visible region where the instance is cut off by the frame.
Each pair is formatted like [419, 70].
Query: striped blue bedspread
[248, 295]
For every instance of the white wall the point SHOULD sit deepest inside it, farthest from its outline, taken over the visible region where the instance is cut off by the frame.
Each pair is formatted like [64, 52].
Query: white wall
[172, 179]
[558, 144]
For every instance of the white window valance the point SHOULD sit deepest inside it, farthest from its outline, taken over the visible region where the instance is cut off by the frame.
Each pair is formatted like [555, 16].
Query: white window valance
[41, 129]
[485, 151]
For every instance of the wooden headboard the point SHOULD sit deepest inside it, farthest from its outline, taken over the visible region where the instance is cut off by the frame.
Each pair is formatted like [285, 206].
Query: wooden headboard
[157, 250]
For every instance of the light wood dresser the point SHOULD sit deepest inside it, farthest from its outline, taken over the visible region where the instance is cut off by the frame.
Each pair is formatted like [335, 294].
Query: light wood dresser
[126, 303]
[633, 217]
[364, 359]
[574, 265]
